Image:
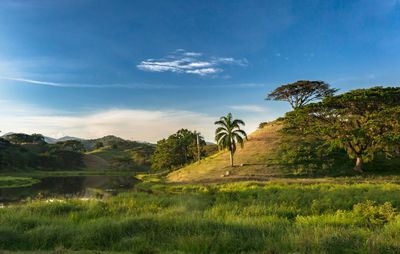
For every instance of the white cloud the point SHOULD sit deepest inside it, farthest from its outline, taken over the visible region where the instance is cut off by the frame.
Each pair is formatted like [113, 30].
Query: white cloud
[132, 86]
[205, 71]
[189, 62]
[251, 108]
[35, 82]
[192, 54]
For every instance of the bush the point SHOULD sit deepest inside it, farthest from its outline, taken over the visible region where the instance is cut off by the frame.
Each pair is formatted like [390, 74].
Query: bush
[375, 214]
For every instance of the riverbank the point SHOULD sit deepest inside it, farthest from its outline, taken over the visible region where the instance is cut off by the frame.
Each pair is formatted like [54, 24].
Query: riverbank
[15, 182]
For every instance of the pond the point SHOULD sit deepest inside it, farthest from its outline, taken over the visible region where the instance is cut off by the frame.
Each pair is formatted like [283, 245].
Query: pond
[70, 187]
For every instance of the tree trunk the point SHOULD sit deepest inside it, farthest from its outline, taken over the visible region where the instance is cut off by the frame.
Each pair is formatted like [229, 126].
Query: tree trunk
[358, 166]
[231, 158]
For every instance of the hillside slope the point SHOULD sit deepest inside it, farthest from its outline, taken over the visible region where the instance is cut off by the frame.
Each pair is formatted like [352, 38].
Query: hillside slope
[131, 156]
[254, 161]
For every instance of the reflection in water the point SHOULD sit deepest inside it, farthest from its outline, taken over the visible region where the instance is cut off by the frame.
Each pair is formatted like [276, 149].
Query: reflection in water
[70, 187]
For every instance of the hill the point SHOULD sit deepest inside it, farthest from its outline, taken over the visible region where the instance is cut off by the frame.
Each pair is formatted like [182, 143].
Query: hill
[124, 155]
[254, 161]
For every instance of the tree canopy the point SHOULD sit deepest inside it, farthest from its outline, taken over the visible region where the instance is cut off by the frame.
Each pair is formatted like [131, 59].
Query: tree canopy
[20, 138]
[177, 150]
[229, 133]
[363, 121]
[301, 92]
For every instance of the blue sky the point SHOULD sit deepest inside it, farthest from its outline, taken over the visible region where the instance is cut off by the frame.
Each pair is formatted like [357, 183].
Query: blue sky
[144, 69]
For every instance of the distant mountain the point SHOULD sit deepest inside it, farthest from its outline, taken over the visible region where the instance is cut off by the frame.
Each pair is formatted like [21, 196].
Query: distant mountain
[49, 140]
[6, 134]
[68, 138]
[55, 140]
[87, 143]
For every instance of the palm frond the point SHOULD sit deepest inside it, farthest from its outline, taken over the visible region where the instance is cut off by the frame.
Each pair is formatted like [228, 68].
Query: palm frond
[242, 132]
[238, 122]
[221, 130]
[239, 139]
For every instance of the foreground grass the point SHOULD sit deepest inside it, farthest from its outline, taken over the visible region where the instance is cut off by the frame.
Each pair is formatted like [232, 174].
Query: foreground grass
[232, 218]
[13, 182]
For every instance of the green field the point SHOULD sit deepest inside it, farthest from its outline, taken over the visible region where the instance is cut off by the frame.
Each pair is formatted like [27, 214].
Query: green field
[232, 218]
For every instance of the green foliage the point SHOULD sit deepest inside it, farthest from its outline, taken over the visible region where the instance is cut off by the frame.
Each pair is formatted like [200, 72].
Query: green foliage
[363, 121]
[55, 159]
[375, 214]
[177, 150]
[109, 140]
[301, 92]
[72, 145]
[127, 156]
[229, 133]
[29, 152]
[309, 154]
[249, 217]
[21, 138]
[262, 125]
[98, 145]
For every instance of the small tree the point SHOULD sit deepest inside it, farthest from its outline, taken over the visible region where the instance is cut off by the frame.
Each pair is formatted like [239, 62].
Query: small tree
[98, 145]
[301, 92]
[363, 121]
[229, 133]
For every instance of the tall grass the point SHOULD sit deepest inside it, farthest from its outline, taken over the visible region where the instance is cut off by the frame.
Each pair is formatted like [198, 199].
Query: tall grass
[235, 218]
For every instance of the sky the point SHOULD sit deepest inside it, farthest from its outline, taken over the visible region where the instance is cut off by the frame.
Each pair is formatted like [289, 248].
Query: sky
[142, 70]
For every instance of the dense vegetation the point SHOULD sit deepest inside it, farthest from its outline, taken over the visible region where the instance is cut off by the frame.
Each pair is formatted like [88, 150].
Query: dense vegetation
[22, 152]
[245, 217]
[363, 122]
[177, 150]
[21, 156]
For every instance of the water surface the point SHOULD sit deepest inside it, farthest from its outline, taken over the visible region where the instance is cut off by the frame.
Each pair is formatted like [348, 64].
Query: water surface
[70, 187]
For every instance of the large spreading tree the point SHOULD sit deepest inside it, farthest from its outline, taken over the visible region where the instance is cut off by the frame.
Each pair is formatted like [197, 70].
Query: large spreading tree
[301, 92]
[228, 134]
[363, 122]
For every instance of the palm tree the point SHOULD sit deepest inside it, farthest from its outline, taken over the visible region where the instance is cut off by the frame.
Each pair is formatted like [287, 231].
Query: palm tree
[229, 133]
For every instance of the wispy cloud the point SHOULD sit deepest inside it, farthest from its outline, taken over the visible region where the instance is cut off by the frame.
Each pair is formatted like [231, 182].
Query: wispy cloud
[251, 108]
[135, 85]
[128, 86]
[189, 62]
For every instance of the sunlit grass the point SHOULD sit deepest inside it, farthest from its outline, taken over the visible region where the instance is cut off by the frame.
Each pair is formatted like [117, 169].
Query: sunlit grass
[231, 218]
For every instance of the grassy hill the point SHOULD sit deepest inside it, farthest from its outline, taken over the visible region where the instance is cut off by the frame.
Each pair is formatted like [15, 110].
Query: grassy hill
[255, 161]
[125, 156]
